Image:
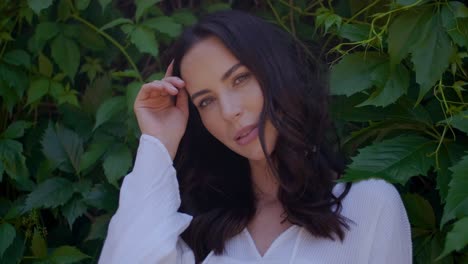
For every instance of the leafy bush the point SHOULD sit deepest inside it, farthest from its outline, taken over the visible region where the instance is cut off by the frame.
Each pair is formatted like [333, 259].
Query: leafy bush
[70, 70]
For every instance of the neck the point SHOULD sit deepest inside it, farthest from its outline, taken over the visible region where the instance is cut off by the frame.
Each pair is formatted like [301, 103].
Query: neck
[264, 183]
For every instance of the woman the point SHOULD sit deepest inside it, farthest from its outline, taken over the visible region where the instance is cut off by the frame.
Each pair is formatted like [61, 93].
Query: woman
[243, 116]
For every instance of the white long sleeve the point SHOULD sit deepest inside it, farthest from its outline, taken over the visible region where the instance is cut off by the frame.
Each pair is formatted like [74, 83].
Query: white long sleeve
[146, 226]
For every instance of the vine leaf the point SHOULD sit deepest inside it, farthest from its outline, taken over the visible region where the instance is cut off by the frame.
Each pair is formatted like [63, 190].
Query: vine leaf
[391, 84]
[144, 40]
[67, 254]
[405, 32]
[460, 121]
[165, 25]
[38, 5]
[432, 56]
[353, 73]
[7, 235]
[395, 160]
[457, 238]
[116, 22]
[109, 109]
[99, 227]
[49, 194]
[73, 209]
[38, 245]
[63, 147]
[104, 3]
[142, 6]
[37, 89]
[457, 197]
[16, 129]
[117, 164]
[420, 212]
[66, 54]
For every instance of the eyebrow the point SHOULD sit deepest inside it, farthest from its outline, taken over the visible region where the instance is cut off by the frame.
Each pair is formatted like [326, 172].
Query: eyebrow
[225, 76]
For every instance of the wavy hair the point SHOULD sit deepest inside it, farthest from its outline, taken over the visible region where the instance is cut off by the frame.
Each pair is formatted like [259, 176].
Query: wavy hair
[215, 182]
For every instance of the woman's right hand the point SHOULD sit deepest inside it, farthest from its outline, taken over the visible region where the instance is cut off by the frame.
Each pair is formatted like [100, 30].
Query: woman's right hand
[161, 108]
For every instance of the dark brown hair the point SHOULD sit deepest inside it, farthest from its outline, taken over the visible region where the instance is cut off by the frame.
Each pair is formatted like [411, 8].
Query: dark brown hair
[215, 182]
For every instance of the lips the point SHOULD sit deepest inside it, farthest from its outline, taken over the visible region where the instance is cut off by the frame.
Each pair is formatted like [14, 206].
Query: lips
[246, 134]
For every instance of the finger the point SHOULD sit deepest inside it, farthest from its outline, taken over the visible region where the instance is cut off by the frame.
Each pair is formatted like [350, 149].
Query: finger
[176, 81]
[182, 101]
[157, 86]
[169, 69]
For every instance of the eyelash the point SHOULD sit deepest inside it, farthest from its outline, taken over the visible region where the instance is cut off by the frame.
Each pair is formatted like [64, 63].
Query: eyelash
[239, 79]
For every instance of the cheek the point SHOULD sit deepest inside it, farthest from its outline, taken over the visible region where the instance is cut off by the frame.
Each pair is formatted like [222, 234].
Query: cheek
[212, 124]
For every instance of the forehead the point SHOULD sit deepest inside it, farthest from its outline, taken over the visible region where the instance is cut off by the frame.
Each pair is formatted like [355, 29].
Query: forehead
[205, 63]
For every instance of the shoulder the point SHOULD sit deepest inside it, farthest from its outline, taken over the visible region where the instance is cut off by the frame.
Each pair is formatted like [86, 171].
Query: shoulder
[370, 195]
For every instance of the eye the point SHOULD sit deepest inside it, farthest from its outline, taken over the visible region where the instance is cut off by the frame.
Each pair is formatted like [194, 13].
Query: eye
[241, 78]
[205, 102]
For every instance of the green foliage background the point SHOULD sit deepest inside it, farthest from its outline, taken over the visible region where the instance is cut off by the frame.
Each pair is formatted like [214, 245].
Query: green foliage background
[70, 70]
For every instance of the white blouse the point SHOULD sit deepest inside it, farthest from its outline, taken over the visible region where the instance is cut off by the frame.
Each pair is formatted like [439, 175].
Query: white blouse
[146, 226]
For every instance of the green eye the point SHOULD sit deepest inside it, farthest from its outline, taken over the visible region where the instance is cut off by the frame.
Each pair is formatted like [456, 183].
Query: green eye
[205, 102]
[241, 78]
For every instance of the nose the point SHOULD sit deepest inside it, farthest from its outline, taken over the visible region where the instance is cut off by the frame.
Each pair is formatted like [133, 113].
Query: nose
[231, 108]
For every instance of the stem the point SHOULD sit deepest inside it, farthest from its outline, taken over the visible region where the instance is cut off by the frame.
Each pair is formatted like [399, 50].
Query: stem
[112, 40]
[291, 18]
[278, 19]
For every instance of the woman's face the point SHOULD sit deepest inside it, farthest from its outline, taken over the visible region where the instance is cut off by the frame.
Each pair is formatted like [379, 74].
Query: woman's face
[228, 98]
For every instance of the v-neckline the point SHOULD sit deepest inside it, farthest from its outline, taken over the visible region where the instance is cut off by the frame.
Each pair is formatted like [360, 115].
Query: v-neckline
[272, 245]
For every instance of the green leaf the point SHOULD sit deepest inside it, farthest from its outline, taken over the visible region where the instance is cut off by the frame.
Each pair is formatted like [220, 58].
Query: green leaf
[211, 8]
[73, 209]
[90, 39]
[13, 160]
[45, 66]
[37, 90]
[116, 22]
[460, 121]
[420, 212]
[104, 3]
[63, 147]
[99, 227]
[67, 254]
[14, 252]
[117, 164]
[66, 54]
[82, 4]
[395, 160]
[16, 129]
[393, 85]
[38, 5]
[38, 245]
[18, 57]
[457, 198]
[7, 235]
[165, 25]
[354, 32]
[132, 92]
[405, 32]
[353, 73]
[431, 57]
[14, 78]
[93, 154]
[457, 238]
[50, 194]
[142, 6]
[46, 31]
[103, 196]
[64, 10]
[184, 17]
[109, 109]
[144, 40]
